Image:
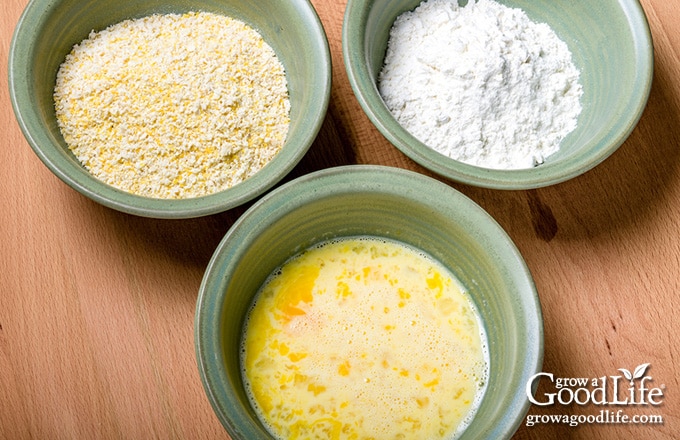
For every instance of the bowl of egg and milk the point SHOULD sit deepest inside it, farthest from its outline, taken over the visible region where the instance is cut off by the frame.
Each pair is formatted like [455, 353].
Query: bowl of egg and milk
[367, 302]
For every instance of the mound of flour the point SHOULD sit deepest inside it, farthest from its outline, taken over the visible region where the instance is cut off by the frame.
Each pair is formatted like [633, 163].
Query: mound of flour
[481, 83]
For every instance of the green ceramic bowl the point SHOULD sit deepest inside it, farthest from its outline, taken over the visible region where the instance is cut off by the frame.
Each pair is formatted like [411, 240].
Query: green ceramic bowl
[383, 202]
[611, 46]
[48, 30]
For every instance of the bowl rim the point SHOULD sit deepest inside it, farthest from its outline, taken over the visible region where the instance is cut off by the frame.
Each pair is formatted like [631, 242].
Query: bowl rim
[346, 180]
[67, 168]
[356, 65]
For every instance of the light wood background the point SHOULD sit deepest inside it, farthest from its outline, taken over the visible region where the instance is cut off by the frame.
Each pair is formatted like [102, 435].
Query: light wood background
[97, 307]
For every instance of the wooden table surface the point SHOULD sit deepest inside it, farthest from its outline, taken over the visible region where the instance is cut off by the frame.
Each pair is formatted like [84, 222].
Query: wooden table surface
[97, 306]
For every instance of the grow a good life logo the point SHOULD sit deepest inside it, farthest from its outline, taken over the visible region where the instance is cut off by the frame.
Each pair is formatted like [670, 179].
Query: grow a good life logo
[629, 389]
[605, 390]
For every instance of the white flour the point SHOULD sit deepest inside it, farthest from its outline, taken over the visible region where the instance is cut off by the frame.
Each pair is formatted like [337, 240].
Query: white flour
[482, 83]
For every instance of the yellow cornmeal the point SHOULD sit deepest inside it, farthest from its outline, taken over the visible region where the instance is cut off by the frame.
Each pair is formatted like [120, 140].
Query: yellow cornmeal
[364, 339]
[173, 105]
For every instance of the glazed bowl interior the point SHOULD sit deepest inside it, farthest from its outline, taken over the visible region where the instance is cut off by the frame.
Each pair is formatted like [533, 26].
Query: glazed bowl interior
[380, 202]
[611, 46]
[48, 30]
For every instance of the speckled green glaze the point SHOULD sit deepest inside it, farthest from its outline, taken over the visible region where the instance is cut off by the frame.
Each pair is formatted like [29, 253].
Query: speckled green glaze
[48, 30]
[611, 45]
[384, 202]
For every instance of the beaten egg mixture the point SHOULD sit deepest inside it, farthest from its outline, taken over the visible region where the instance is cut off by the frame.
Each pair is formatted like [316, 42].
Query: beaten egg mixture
[364, 338]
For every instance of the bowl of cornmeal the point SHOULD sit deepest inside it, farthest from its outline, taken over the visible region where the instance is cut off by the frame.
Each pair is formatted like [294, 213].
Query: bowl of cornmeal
[170, 108]
[507, 94]
[367, 302]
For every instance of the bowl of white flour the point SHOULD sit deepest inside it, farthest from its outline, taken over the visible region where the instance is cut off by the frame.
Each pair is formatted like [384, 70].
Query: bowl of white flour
[503, 94]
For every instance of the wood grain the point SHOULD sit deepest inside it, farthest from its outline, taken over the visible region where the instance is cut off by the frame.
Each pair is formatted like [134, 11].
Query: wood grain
[96, 306]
